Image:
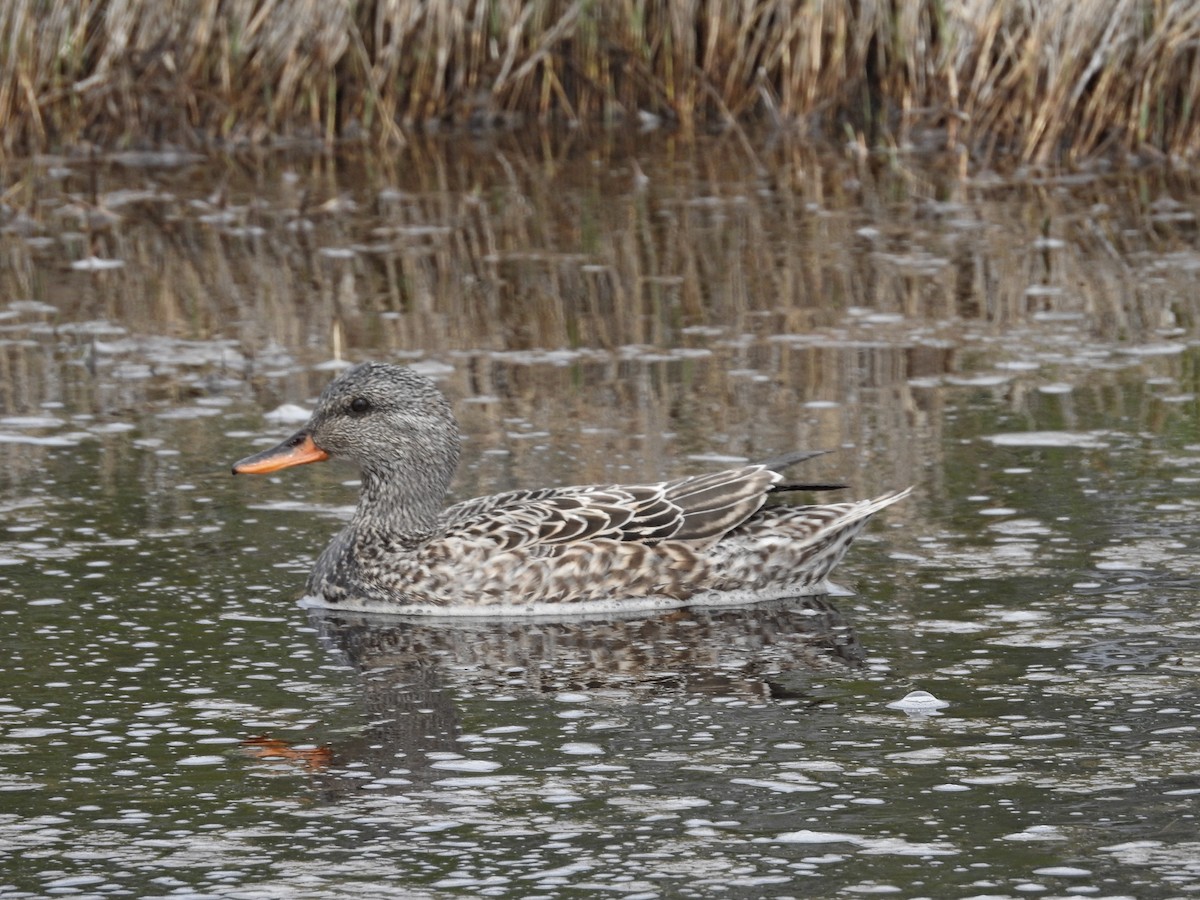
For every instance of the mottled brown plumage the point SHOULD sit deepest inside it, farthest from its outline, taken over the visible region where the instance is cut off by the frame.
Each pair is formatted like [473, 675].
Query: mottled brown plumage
[701, 538]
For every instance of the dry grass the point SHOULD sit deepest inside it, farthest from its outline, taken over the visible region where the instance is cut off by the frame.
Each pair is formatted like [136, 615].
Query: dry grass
[1038, 80]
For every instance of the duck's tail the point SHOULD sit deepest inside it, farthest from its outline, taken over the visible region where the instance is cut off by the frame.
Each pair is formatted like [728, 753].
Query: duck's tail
[793, 549]
[779, 463]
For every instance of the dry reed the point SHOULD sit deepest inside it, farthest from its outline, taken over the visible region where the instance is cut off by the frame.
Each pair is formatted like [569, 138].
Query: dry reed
[1041, 81]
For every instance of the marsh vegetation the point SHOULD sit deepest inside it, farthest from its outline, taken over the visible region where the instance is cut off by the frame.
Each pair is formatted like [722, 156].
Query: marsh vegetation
[988, 79]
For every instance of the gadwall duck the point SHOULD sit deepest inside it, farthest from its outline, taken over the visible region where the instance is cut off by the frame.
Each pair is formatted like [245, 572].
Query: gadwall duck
[697, 539]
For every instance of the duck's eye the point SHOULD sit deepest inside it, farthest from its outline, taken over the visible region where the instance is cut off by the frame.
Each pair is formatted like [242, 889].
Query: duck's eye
[359, 405]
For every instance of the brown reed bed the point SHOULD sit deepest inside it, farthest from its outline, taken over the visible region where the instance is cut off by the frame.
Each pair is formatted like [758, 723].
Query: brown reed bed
[1039, 82]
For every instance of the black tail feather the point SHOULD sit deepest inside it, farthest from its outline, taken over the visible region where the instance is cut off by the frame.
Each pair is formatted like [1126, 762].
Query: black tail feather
[807, 487]
[778, 463]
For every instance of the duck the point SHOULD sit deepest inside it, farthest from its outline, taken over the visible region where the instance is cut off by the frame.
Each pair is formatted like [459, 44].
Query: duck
[697, 539]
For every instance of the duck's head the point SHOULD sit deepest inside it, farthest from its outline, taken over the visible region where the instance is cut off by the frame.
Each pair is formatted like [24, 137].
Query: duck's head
[389, 420]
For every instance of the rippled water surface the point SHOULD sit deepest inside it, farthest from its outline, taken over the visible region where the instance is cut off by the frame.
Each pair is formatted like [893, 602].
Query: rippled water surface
[1024, 352]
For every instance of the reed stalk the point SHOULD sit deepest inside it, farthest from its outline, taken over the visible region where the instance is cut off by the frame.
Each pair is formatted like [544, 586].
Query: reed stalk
[1040, 81]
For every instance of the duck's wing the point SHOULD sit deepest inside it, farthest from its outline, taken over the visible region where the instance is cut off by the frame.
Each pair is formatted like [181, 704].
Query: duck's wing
[713, 504]
[695, 508]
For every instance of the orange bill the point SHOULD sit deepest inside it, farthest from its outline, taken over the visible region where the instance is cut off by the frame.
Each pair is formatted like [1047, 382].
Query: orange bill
[295, 451]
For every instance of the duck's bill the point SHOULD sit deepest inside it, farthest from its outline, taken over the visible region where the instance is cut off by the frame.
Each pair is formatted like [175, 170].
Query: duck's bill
[295, 451]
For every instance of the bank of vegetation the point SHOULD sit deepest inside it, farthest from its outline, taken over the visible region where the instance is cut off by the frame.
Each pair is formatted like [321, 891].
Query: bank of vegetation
[1032, 81]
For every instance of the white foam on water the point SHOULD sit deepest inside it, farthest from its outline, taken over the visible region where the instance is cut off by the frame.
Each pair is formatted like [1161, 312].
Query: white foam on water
[202, 761]
[918, 703]
[288, 413]
[1086, 440]
[96, 264]
[465, 765]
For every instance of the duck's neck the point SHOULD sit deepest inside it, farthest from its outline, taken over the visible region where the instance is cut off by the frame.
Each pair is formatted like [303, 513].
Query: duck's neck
[397, 507]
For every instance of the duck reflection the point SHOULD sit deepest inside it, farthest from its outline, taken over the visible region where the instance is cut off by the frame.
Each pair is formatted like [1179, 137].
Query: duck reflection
[726, 650]
[420, 674]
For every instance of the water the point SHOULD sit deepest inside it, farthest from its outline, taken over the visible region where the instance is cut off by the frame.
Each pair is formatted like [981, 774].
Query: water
[172, 723]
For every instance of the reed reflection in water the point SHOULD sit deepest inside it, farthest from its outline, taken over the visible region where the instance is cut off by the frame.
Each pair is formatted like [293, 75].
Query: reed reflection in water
[455, 246]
